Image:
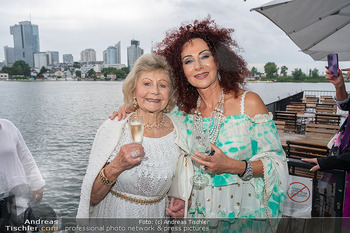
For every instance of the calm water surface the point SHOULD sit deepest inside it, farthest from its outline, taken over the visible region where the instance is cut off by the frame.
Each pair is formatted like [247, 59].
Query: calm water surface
[58, 121]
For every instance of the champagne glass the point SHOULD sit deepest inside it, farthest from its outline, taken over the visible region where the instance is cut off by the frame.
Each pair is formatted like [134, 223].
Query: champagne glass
[200, 142]
[136, 128]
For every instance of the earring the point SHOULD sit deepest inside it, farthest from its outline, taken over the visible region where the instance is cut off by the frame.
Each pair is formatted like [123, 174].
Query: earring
[134, 102]
[219, 76]
[166, 109]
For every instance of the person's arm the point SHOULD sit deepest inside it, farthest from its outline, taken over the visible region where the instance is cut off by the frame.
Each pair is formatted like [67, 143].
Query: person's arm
[255, 106]
[340, 93]
[109, 174]
[341, 161]
[34, 177]
[312, 160]
[342, 97]
[267, 149]
[339, 84]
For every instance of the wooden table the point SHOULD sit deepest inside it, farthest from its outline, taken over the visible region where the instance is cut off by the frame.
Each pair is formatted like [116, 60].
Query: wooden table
[306, 115]
[284, 137]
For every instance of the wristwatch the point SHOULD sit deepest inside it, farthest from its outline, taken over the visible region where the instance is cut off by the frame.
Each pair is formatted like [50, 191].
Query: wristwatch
[248, 172]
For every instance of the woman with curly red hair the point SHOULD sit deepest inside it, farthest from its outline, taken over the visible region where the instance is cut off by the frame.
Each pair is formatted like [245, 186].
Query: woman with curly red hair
[248, 172]
[248, 175]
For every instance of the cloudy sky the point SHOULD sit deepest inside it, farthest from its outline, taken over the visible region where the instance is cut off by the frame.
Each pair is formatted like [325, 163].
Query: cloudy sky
[70, 26]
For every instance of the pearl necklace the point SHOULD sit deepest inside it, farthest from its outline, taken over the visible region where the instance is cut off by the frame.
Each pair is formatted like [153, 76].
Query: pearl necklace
[216, 118]
[156, 126]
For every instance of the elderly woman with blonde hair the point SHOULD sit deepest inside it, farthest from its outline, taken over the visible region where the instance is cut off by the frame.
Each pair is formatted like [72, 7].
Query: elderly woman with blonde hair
[125, 179]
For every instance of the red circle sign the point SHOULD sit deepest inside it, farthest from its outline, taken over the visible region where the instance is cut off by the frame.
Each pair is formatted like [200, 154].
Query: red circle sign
[298, 192]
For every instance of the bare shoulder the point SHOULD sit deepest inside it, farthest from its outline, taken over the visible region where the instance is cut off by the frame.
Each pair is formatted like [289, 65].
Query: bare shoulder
[254, 105]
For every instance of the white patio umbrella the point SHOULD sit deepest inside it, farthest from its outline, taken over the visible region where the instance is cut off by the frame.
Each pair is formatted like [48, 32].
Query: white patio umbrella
[317, 27]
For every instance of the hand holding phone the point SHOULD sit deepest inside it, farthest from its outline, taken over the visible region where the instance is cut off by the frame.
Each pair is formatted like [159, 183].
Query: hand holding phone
[333, 63]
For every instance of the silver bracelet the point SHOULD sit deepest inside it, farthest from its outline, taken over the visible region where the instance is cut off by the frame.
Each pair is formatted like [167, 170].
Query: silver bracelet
[248, 172]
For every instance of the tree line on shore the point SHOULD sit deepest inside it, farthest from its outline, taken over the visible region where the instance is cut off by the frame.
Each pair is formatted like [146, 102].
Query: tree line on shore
[21, 70]
[279, 74]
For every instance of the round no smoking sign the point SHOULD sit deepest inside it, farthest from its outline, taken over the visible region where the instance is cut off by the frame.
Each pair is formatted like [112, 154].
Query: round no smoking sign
[299, 192]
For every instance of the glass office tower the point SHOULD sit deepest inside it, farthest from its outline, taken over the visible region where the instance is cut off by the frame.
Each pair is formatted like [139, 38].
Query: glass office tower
[26, 41]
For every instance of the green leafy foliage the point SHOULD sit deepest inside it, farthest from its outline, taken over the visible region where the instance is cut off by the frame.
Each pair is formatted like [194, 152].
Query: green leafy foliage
[271, 70]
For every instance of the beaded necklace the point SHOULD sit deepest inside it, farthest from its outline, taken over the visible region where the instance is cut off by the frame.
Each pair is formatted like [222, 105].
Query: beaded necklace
[216, 118]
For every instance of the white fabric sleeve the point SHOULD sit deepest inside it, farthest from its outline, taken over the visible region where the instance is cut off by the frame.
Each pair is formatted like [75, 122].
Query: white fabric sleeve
[31, 169]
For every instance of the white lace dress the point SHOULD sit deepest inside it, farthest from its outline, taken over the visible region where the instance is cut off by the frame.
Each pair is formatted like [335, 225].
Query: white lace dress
[148, 181]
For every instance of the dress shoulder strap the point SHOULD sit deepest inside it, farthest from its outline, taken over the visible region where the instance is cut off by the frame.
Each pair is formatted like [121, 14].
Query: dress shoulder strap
[242, 101]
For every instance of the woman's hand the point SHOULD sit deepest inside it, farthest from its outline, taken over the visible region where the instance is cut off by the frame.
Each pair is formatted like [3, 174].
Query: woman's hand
[124, 160]
[337, 81]
[121, 113]
[219, 162]
[176, 208]
[38, 194]
[313, 160]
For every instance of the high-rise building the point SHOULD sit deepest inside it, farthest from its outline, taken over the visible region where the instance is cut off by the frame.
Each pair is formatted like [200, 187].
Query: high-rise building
[54, 57]
[68, 58]
[9, 55]
[88, 55]
[104, 56]
[117, 46]
[134, 52]
[41, 59]
[112, 54]
[26, 41]
[47, 58]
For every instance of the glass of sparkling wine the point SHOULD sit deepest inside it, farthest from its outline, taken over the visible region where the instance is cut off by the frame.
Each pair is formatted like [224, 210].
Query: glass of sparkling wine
[200, 142]
[136, 128]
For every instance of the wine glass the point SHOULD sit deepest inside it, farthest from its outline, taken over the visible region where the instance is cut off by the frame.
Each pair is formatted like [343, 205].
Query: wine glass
[200, 142]
[136, 128]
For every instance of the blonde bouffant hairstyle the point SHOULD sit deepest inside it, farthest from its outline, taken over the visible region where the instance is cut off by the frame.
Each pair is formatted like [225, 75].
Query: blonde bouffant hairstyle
[148, 63]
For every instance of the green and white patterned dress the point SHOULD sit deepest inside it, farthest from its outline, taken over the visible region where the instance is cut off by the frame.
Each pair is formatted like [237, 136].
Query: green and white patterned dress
[227, 196]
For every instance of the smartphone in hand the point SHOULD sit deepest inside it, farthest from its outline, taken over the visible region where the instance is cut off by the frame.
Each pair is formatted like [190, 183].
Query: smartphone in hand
[333, 64]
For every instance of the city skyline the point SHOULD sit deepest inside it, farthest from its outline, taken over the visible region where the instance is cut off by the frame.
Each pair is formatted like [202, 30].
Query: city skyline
[66, 28]
[27, 47]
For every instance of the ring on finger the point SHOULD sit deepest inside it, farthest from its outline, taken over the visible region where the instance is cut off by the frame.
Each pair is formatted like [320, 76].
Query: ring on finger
[134, 154]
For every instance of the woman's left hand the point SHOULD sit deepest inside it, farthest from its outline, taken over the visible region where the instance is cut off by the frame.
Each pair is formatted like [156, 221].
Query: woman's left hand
[218, 163]
[313, 160]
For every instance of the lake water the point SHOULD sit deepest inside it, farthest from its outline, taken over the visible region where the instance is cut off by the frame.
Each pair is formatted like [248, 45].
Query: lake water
[58, 121]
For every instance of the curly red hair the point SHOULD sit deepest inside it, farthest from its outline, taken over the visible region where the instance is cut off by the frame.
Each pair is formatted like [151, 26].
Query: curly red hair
[231, 66]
